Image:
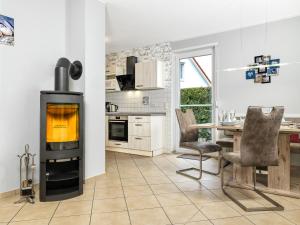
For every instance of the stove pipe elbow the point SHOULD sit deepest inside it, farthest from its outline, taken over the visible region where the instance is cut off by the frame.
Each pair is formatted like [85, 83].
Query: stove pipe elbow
[63, 69]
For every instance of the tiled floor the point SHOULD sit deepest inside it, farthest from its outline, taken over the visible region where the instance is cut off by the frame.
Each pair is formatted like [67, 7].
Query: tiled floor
[147, 191]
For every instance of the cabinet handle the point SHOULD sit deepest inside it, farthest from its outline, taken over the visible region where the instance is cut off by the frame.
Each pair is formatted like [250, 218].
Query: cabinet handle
[138, 125]
[138, 138]
[117, 144]
[138, 118]
[140, 85]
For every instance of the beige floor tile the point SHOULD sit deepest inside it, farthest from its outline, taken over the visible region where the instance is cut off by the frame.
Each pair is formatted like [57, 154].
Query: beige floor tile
[199, 223]
[149, 217]
[248, 203]
[202, 197]
[211, 184]
[89, 184]
[217, 210]
[112, 192]
[114, 218]
[173, 199]
[288, 205]
[131, 191]
[164, 188]
[158, 180]
[152, 173]
[36, 211]
[184, 214]
[232, 221]
[73, 208]
[108, 183]
[268, 218]
[179, 178]
[109, 175]
[10, 201]
[133, 181]
[190, 186]
[8, 212]
[87, 195]
[31, 222]
[220, 194]
[71, 220]
[292, 215]
[142, 202]
[130, 173]
[109, 205]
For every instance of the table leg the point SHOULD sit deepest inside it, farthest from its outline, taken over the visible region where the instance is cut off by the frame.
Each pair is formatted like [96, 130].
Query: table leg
[279, 176]
[241, 175]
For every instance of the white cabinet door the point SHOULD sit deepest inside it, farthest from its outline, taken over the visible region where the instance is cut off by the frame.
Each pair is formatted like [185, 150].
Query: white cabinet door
[140, 143]
[139, 75]
[148, 75]
[139, 119]
[139, 129]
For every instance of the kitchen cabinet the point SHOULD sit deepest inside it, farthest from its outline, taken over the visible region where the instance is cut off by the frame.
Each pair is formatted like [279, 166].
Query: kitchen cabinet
[112, 85]
[145, 136]
[145, 133]
[149, 75]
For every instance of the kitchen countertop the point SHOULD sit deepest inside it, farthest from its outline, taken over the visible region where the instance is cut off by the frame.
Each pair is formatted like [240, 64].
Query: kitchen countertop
[135, 113]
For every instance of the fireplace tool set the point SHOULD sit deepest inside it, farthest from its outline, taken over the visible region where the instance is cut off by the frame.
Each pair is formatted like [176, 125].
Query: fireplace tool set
[27, 167]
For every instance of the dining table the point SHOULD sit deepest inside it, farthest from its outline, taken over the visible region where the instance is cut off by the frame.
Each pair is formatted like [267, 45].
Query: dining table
[279, 177]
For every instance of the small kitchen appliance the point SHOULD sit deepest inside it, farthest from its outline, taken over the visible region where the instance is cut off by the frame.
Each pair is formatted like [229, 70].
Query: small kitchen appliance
[111, 107]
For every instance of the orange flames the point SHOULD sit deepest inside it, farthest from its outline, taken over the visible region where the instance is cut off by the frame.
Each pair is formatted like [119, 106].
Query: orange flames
[62, 122]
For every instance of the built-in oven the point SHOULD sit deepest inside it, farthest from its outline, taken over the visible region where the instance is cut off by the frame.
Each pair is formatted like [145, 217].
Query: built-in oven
[118, 128]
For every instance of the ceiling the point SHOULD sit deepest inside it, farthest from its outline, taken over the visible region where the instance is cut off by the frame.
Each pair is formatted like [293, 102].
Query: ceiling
[135, 23]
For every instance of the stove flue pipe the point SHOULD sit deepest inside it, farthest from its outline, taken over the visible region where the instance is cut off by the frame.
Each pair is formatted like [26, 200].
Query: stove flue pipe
[63, 69]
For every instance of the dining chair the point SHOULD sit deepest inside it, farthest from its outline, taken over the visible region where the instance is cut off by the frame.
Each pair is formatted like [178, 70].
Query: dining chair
[258, 148]
[189, 140]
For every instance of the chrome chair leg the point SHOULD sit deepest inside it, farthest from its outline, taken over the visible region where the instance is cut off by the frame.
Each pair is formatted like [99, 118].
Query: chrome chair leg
[183, 171]
[276, 205]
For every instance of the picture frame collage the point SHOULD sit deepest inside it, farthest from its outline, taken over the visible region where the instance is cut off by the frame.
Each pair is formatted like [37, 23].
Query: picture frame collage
[262, 71]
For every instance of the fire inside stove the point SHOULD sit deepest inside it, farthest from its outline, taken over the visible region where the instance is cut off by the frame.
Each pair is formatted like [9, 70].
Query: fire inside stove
[62, 126]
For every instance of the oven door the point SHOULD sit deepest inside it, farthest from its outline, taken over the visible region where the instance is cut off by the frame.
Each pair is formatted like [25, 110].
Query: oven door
[118, 130]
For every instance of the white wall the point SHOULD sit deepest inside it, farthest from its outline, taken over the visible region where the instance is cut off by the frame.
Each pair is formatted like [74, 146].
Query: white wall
[75, 38]
[94, 87]
[25, 69]
[234, 92]
[45, 31]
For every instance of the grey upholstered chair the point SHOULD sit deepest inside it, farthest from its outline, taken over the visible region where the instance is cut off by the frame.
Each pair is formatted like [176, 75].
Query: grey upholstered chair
[258, 148]
[189, 140]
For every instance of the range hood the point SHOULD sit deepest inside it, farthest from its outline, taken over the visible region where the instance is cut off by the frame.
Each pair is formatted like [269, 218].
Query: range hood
[127, 81]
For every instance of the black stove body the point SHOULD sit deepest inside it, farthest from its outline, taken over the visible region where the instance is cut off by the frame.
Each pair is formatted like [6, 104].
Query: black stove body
[62, 136]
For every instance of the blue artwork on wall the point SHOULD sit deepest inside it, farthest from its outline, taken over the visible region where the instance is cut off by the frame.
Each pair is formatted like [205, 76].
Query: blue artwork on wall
[7, 30]
[250, 74]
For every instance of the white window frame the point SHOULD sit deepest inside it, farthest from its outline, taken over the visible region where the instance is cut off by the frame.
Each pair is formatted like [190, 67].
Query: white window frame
[187, 53]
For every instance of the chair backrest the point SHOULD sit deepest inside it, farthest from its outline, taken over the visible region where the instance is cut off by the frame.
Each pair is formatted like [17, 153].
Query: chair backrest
[185, 120]
[260, 137]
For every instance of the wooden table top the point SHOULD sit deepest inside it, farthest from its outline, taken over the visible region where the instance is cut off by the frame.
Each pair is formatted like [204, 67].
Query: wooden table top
[284, 129]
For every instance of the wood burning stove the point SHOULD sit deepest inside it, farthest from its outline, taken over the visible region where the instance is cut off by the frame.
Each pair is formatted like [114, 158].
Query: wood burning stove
[61, 139]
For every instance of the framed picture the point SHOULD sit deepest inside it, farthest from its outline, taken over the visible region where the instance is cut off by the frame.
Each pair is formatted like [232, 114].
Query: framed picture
[262, 69]
[266, 79]
[259, 59]
[267, 58]
[250, 74]
[258, 78]
[273, 71]
[274, 61]
[7, 32]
